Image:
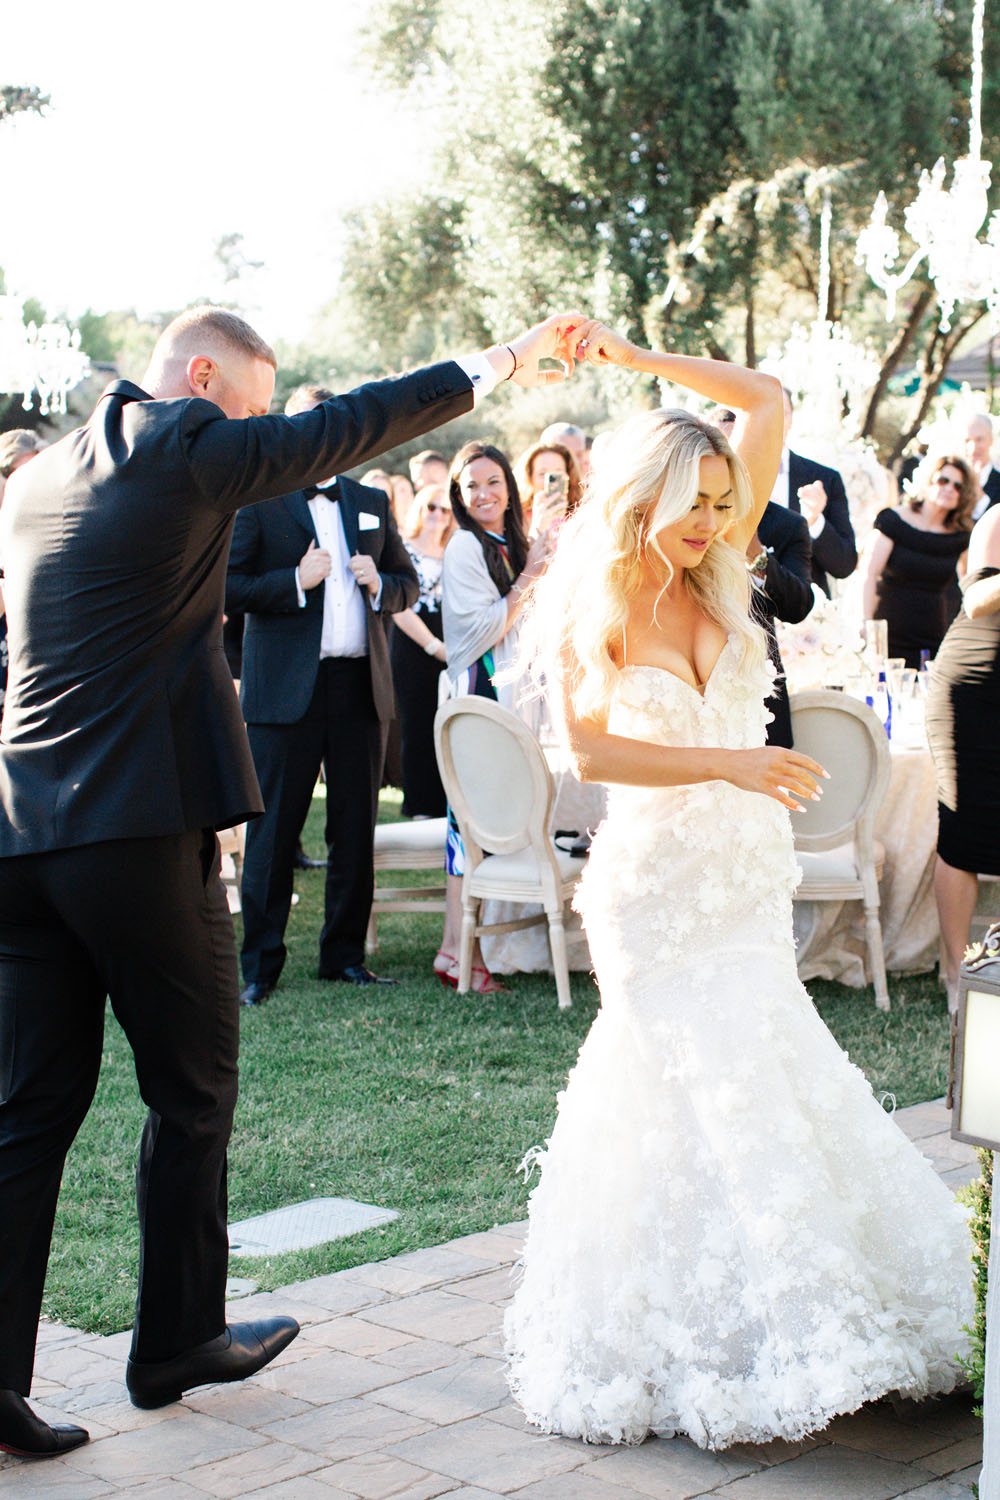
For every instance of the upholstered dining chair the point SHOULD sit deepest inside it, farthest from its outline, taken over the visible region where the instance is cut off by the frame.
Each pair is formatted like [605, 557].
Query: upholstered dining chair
[835, 846]
[500, 790]
[418, 845]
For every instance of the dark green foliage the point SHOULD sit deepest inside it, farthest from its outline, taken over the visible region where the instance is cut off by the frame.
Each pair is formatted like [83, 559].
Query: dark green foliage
[979, 1196]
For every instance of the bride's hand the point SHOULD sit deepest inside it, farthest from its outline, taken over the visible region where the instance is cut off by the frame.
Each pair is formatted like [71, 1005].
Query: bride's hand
[782, 774]
[597, 344]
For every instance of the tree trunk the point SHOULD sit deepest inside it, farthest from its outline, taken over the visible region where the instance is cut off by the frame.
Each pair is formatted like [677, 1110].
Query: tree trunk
[892, 358]
[936, 357]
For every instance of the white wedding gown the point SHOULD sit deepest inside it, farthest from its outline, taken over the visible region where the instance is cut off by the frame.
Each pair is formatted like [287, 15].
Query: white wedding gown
[730, 1237]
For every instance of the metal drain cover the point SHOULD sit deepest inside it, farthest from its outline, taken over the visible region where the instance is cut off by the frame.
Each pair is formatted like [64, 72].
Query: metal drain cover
[301, 1225]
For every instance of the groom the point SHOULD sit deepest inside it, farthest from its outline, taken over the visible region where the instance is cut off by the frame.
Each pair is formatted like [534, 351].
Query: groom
[123, 751]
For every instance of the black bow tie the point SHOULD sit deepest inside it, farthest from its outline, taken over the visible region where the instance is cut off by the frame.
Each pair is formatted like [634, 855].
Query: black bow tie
[311, 492]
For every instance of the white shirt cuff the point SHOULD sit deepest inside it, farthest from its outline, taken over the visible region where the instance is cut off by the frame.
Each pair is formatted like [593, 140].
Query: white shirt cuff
[480, 372]
[816, 529]
[376, 598]
[300, 590]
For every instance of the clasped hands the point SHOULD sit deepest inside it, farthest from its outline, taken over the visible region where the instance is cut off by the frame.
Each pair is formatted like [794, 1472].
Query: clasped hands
[316, 562]
[567, 338]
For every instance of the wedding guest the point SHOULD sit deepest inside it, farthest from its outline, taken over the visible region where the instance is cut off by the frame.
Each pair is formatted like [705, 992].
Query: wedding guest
[963, 731]
[378, 479]
[818, 493]
[729, 1238]
[979, 455]
[402, 497]
[911, 557]
[566, 435]
[534, 466]
[428, 467]
[488, 567]
[418, 654]
[122, 752]
[779, 563]
[17, 446]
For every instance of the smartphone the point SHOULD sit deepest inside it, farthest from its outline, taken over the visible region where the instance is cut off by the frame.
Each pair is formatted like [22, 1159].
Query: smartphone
[555, 485]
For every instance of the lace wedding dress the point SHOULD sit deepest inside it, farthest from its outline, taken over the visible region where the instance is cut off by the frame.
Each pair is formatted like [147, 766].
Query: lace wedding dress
[730, 1237]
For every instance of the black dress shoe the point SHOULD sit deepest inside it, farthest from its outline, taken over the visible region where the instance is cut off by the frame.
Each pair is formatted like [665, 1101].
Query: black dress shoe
[302, 861]
[27, 1436]
[242, 1350]
[355, 974]
[255, 993]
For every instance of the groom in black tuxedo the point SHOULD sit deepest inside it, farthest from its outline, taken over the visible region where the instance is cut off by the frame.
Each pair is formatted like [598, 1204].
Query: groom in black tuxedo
[316, 573]
[122, 752]
[817, 492]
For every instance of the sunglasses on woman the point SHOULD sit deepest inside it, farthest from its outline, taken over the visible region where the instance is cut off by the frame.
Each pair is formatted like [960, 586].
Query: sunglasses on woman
[444, 509]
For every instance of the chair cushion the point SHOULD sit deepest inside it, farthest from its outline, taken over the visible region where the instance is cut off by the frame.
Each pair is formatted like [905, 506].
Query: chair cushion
[424, 836]
[840, 863]
[521, 869]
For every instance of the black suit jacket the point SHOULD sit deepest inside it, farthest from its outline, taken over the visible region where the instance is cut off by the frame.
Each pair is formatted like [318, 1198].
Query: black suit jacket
[992, 487]
[281, 641]
[834, 551]
[784, 593]
[120, 719]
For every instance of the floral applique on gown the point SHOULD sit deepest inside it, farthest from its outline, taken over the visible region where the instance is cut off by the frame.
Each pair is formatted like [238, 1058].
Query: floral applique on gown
[730, 1237]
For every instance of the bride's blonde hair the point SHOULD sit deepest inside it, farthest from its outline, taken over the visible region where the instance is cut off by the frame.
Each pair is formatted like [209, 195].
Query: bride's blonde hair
[645, 478]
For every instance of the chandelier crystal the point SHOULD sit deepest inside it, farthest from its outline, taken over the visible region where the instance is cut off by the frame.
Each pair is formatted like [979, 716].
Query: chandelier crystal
[944, 224]
[44, 359]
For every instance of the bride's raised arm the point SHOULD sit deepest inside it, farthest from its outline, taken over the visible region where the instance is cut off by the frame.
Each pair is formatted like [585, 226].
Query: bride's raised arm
[755, 397]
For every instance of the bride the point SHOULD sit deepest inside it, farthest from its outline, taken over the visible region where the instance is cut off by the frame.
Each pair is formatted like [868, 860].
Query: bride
[729, 1238]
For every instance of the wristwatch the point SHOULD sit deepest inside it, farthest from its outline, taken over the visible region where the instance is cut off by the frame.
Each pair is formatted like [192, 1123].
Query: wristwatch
[758, 568]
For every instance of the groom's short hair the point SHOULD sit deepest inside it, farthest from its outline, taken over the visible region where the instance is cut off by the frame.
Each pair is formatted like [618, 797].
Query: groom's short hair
[200, 329]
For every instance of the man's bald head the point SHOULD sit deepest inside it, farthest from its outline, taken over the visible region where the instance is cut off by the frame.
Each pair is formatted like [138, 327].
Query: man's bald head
[212, 353]
[979, 440]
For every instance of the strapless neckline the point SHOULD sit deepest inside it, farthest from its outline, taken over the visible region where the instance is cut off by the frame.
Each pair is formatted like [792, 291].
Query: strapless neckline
[699, 692]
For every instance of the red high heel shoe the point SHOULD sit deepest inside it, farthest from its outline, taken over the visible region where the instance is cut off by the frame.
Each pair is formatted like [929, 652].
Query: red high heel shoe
[446, 968]
[488, 985]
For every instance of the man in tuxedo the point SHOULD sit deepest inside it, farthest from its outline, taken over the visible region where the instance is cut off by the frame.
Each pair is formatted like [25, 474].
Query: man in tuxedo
[979, 453]
[818, 493]
[316, 573]
[123, 751]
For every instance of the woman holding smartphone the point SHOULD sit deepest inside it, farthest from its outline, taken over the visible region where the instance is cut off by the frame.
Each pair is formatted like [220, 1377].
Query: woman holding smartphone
[548, 478]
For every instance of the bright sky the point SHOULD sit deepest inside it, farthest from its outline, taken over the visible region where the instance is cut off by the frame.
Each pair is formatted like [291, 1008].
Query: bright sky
[173, 125]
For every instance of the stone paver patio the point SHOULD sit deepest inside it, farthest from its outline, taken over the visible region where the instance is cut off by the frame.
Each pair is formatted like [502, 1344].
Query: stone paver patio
[394, 1390]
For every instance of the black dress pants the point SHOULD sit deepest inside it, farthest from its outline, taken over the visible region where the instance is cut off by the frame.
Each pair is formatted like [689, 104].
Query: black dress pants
[145, 922]
[341, 731]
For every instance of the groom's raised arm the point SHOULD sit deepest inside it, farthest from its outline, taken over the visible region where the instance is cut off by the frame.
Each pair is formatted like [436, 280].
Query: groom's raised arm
[238, 462]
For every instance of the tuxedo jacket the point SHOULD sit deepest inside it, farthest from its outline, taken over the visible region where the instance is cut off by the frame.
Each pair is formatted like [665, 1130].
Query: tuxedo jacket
[834, 551]
[992, 487]
[120, 719]
[786, 589]
[281, 640]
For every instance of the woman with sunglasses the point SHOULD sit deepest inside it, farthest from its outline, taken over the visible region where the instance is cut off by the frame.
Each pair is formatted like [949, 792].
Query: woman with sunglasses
[910, 562]
[417, 653]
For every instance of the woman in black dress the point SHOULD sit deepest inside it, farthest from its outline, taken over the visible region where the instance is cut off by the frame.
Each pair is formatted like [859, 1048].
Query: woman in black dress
[417, 653]
[963, 729]
[910, 562]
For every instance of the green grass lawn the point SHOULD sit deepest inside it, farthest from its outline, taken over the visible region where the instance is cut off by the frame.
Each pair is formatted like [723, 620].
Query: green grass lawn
[413, 1098]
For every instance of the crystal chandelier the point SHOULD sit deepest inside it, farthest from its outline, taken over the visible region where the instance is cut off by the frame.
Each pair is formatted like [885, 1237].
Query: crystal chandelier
[944, 225]
[45, 359]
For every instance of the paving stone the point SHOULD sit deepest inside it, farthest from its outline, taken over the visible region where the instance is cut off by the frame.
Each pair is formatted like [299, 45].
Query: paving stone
[953, 1414]
[489, 1286]
[465, 1389]
[50, 1334]
[943, 1489]
[246, 1473]
[52, 1480]
[377, 1476]
[245, 1404]
[394, 1280]
[113, 1345]
[877, 1429]
[346, 1428]
[306, 1487]
[959, 1177]
[270, 1305]
[955, 1456]
[580, 1484]
[489, 1454]
[438, 1315]
[418, 1355]
[142, 1455]
[440, 1260]
[355, 1336]
[76, 1364]
[328, 1376]
[337, 1293]
[490, 1245]
[778, 1451]
[95, 1396]
[165, 1489]
[669, 1467]
[827, 1473]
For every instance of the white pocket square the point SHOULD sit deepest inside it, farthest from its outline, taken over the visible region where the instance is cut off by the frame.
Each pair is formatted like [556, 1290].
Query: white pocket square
[367, 522]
